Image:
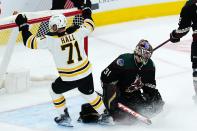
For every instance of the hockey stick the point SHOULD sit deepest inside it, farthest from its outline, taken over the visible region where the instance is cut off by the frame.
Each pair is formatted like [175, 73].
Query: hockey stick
[132, 112]
[161, 44]
[135, 114]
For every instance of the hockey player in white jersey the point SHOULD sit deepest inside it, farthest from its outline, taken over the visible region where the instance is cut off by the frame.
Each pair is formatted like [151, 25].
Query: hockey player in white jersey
[67, 48]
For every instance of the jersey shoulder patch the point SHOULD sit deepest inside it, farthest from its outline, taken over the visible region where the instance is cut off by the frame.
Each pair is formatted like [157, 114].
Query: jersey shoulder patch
[120, 62]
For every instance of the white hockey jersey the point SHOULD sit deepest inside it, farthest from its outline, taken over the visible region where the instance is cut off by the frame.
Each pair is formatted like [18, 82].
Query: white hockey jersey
[68, 51]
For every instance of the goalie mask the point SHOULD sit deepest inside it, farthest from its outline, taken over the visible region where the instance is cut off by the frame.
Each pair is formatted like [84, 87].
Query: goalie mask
[143, 51]
[57, 22]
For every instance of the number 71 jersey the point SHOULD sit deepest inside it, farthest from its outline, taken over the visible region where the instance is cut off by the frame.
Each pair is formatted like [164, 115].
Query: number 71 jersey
[68, 53]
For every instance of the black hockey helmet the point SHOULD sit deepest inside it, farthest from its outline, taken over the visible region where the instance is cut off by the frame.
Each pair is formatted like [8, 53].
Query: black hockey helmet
[143, 51]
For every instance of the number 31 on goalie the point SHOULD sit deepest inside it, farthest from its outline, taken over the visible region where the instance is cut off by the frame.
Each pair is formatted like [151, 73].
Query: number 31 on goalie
[107, 72]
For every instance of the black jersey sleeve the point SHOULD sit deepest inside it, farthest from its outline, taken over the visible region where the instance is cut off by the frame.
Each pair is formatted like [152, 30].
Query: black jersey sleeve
[185, 21]
[25, 35]
[58, 4]
[111, 73]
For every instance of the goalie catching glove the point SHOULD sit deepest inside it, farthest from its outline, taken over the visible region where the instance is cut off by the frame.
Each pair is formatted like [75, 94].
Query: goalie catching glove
[21, 21]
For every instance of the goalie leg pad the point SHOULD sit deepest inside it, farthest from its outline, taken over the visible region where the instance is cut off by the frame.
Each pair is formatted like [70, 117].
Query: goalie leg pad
[88, 114]
[110, 96]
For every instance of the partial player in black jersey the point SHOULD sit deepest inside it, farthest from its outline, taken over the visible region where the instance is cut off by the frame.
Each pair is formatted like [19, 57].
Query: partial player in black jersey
[58, 4]
[187, 20]
[67, 48]
[130, 80]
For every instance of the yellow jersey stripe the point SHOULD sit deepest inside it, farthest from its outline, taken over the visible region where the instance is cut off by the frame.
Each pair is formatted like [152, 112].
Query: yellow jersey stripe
[99, 105]
[75, 68]
[95, 101]
[89, 23]
[59, 106]
[76, 73]
[35, 44]
[29, 41]
[59, 100]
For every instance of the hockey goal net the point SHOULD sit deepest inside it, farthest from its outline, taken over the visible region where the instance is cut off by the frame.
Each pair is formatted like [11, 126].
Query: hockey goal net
[38, 21]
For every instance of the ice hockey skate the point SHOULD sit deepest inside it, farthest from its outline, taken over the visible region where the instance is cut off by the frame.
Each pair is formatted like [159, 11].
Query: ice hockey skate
[195, 99]
[105, 119]
[64, 119]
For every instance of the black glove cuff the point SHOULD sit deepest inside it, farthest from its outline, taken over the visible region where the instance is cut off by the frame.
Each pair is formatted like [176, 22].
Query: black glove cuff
[86, 13]
[24, 27]
[173, 35]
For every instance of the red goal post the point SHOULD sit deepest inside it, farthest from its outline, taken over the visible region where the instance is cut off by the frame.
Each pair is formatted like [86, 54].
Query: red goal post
[38, 21]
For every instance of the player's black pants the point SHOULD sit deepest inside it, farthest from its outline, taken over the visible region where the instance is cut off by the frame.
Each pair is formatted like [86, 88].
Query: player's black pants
[84, 85]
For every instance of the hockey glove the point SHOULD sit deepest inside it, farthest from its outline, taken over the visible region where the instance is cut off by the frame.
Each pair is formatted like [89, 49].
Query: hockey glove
[88, 3]
[21, 21]
[78, 3]
[173, 37]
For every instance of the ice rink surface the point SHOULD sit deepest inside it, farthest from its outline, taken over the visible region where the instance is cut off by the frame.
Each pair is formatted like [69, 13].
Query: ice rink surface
[32, 110]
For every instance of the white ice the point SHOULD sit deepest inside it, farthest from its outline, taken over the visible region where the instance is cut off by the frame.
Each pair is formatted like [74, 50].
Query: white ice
[173, 75]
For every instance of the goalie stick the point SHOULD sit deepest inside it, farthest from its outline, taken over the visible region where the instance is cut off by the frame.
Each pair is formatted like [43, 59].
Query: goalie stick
[138, 116]
[161, 44]
[132, 112]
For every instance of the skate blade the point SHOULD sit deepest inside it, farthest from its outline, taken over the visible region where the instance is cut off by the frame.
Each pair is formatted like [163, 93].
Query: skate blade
[107, 123]
[66, 125]
[195, 99]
